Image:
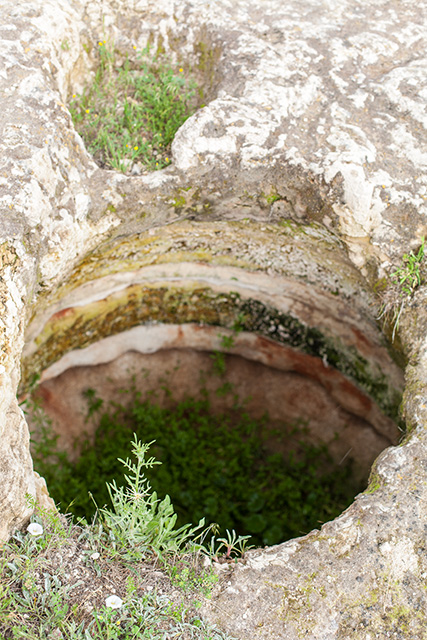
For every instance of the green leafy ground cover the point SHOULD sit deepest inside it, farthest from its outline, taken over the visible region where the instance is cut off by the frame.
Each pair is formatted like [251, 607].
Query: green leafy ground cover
[216, 467]
[129, 114]
[138, 570]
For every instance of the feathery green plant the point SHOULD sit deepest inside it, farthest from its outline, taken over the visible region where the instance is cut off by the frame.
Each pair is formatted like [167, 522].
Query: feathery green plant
[138, 517]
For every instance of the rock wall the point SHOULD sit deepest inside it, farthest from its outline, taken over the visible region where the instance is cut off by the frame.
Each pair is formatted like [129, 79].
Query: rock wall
[321, 105]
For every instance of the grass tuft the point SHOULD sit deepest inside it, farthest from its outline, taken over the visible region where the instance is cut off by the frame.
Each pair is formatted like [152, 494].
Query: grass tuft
[397, 293]
[132, 110]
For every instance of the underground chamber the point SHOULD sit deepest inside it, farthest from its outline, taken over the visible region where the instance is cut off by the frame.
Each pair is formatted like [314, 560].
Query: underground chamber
[269, 354]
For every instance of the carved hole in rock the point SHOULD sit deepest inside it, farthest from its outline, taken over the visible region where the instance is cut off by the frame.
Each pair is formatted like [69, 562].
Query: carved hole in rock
[314, 361]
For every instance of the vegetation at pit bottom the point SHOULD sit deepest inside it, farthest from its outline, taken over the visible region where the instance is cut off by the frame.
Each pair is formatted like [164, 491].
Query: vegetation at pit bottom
[217, 467]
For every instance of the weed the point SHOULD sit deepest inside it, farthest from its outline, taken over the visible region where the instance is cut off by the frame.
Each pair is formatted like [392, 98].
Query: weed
[218, 362]
[271, 197]
[408, 274]
[227, 342]
[403, 283]
[138, 518]
[188, 576]
[129, 115]
[218, 357]
[239, 322]
[232, 544]
[179, 201]
[226, 388]
[53, 585]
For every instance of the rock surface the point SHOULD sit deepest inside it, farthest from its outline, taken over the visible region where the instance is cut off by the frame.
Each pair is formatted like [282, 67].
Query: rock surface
[315, 112]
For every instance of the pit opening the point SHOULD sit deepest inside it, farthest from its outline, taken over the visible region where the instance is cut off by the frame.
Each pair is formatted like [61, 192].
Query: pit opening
[245, 340]
[226, 398]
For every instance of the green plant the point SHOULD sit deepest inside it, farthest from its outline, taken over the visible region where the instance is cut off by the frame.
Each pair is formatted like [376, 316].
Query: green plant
[404, 281]
[231, 544]
[38, 598]
[138, 518]
[189, 577]
[130, 113]
[227, 342]
[408, 274]
[271, 197]
[218, 362]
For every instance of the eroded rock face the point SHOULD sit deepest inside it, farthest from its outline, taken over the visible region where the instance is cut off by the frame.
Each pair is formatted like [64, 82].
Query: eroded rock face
[315, 119]
[288, 396]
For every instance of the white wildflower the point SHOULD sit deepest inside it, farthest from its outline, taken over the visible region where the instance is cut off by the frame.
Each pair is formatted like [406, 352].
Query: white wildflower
[114, 602]
[35, 529]
[94, 556]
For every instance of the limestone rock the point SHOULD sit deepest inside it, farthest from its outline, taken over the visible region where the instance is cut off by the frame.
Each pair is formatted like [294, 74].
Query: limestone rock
[315, 116]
